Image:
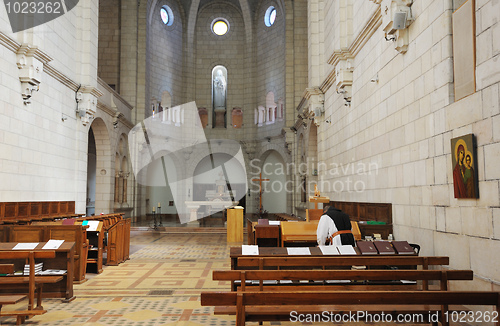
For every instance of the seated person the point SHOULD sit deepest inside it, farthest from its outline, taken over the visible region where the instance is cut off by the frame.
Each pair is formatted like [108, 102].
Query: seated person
[334, 228]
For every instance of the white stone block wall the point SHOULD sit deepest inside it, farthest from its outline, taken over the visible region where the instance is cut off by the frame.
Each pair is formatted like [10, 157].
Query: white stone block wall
[44, 144]
[404, 123]
[109, 42]
[270, 64]
[165, 56]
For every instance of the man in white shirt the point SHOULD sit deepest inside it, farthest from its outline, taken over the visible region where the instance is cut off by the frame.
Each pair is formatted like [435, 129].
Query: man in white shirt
[334, 223]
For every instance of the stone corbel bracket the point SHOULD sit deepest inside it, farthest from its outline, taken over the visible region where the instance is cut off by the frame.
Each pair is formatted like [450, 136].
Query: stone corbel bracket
[87, 103]
[316, 101]
[343, 78]
[30, 61]
[389, 9]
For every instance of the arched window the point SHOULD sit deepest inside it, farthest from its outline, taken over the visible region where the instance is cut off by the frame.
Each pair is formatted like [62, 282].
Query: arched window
[219, 96]
[167, 16]
[121, 172]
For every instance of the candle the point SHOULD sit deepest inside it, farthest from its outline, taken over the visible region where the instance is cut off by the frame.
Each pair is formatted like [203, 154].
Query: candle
[153, 209]
[159, 205]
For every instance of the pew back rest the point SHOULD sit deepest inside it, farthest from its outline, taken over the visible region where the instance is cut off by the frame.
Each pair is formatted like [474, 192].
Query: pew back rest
[26, 233]
[351, 298]
[336, 261]
[357, 275]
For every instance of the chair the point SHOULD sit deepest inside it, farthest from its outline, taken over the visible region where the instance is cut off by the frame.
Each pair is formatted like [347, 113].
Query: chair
[415, 247]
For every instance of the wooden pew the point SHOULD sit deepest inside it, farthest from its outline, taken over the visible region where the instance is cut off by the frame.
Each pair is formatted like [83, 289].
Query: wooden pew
[327, 279]
[259, 306]
[41, 232]
[325, 262]
[61, 285]
[35, 282]
[26, 212]
[285, 217]
[117, 230]
[337, 262]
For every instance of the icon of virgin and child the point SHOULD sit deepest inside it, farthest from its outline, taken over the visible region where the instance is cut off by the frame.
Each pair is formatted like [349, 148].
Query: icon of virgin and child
[464, 178]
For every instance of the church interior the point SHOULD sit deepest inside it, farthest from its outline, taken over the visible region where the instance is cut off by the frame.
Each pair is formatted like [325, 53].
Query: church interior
[171, 113]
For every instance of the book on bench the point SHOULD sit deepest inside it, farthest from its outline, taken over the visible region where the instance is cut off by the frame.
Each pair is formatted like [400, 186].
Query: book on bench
[346, 250]
[367, 247]
[384, 247]
[402, 247]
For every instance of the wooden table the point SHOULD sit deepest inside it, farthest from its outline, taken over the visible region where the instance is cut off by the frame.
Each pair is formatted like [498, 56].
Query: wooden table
[65, 259]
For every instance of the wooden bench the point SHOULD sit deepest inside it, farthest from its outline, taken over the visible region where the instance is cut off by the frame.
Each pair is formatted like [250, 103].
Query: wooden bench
[26, 212]
[41, 232]
[336, 279]
[339, 262]
[63, 260]
[117, 230]
[35, 283]
[277, 305]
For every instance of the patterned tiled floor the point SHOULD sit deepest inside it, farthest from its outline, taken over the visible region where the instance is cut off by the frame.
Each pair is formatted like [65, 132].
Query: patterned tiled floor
[159, 285]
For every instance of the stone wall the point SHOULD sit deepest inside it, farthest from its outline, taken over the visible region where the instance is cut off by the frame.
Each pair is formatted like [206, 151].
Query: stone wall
[109, 42]
[392, 144]
[44, 142]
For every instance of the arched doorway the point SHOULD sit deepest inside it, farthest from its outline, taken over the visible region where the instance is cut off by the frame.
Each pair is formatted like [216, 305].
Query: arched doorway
[91, 175]
[275, 190]
[100, 190]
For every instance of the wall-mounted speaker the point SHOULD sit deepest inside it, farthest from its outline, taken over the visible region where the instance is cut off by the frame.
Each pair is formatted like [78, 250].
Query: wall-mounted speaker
[399, 21]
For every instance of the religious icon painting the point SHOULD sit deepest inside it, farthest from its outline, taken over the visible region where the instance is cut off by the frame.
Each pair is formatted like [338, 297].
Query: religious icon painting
[464, 165]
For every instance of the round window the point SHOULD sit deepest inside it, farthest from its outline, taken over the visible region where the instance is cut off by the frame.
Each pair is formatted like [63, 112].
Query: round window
[220, 26]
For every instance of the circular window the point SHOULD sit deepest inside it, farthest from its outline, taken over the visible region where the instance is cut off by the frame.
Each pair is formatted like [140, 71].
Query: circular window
[220, 26]
[270, 16]
[167, 16]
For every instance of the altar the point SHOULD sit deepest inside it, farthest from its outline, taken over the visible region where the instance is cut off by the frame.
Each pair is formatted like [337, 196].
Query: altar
[216, 201]
[215, 206]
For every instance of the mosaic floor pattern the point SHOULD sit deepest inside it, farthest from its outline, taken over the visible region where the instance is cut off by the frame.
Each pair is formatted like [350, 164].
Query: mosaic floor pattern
[159, 285]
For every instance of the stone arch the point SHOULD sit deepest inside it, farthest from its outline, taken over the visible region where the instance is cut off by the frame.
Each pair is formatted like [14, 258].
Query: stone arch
[104, 167]
[312, 157]
[276, 190]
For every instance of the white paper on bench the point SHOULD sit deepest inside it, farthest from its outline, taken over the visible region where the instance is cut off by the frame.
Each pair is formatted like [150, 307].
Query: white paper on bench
[53, 272]
[53, 244]
[93, 225]
[25, 246]
[274, 222]
[346, 250]
[265, 282]
[298, 251]
[329, 250]
[250, 250]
